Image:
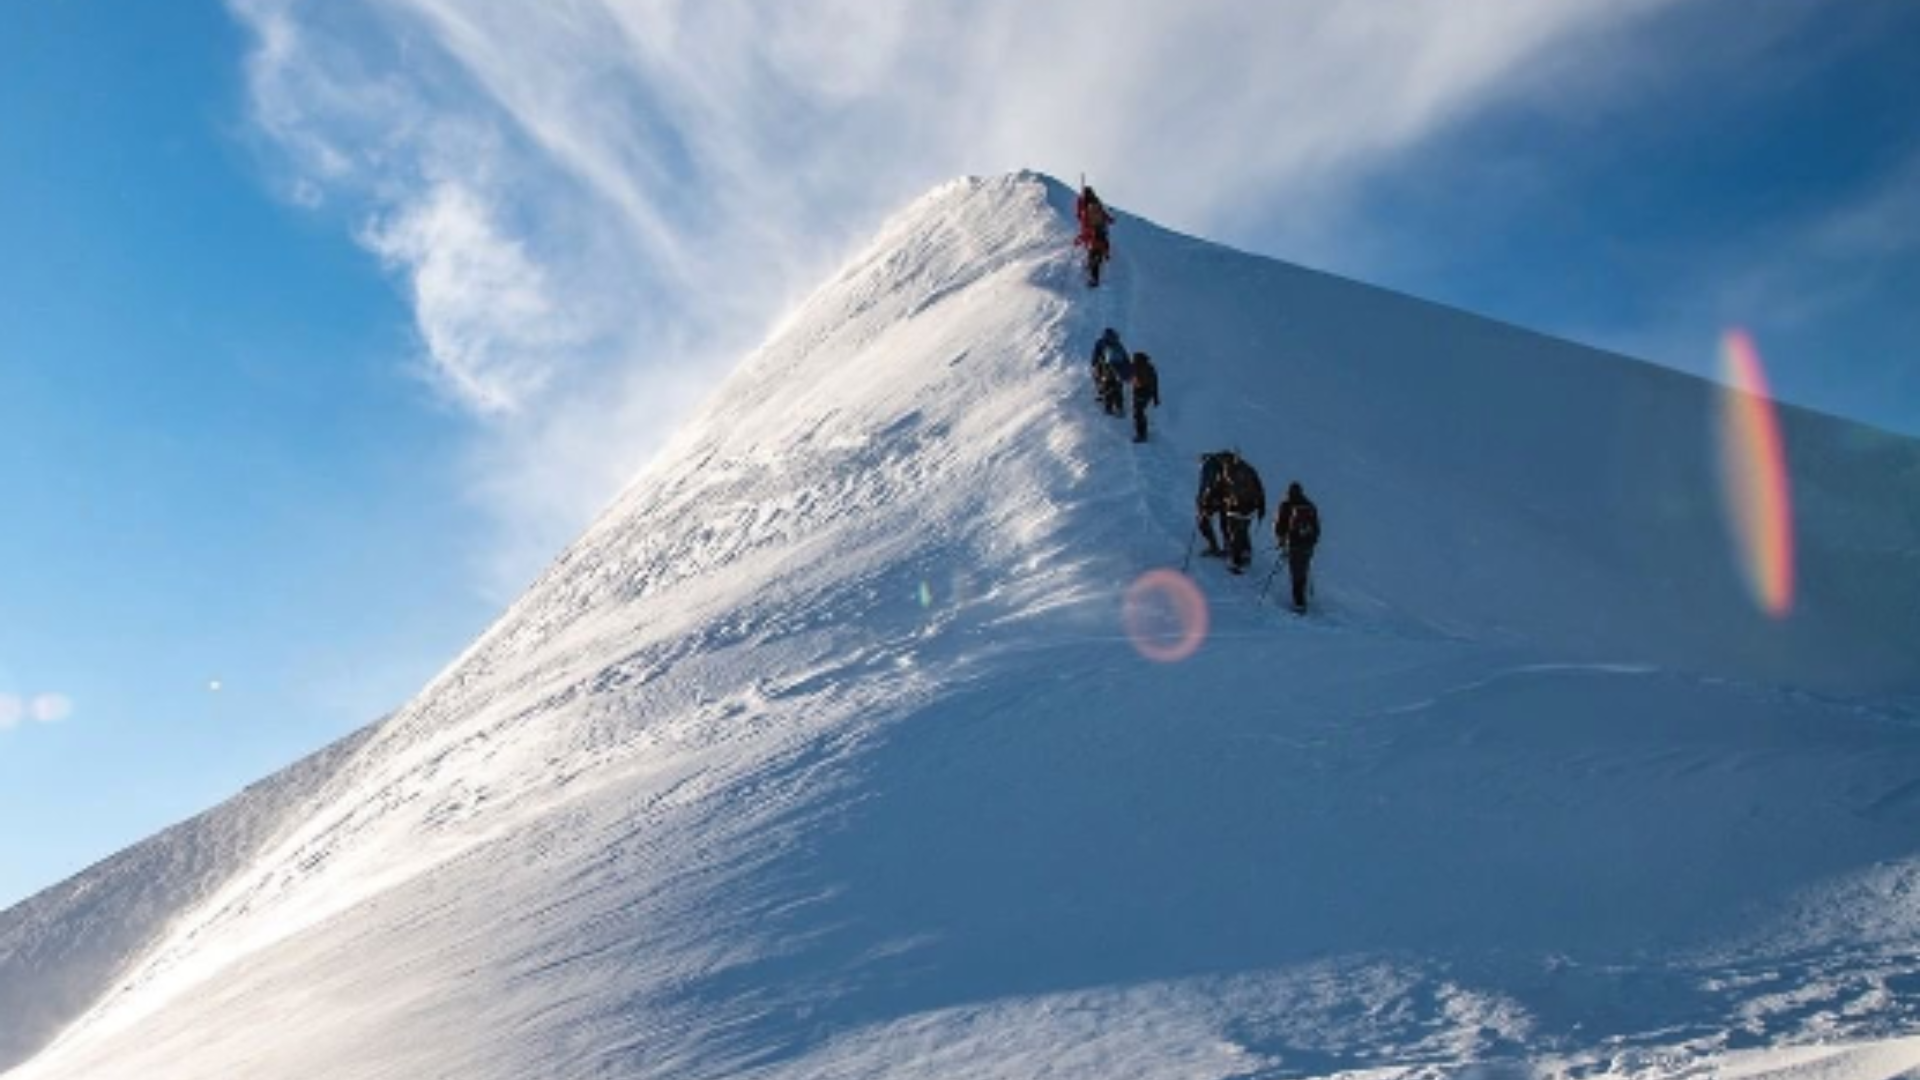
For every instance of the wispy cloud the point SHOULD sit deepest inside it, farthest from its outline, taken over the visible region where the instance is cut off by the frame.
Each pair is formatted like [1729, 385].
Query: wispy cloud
[1884, 220]
[50, 708]
[39, 709]
[1796, 276]
[596, 202]
[1804, 269]
[492, 324]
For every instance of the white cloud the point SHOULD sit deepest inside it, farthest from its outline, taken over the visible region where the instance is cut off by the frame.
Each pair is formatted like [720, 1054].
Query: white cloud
[41, 708]
[491, 323]
[51, 708]
[595, 199]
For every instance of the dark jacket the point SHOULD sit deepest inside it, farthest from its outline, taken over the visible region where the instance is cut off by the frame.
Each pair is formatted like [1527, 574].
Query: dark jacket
[1245, 497]
[1296, 523]
[1146, 381]
[1110, 349]
[1213, 488]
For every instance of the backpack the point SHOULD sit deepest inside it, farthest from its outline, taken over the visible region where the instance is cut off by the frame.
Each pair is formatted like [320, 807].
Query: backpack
[1245, 494]
[1212, 465]
[1303, 525]
[1094, 219]
[1213, 468]
[1146, 378]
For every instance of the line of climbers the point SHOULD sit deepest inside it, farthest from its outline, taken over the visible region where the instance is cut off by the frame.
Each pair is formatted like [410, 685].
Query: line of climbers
[1230, 491]
[1230, 487]
[1113, 369]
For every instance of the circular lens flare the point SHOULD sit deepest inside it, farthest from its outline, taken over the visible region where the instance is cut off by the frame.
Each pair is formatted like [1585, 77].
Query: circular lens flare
[1754, 487]
[1165, 615]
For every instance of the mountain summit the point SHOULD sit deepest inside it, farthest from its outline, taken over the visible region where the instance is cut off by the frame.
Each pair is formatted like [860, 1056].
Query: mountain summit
[828, 750]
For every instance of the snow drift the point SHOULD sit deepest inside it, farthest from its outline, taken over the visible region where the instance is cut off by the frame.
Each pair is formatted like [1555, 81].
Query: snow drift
[824, 753]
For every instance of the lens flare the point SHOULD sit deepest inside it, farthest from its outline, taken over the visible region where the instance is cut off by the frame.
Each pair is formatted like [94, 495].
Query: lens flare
[1165, 615]
[1753, 477]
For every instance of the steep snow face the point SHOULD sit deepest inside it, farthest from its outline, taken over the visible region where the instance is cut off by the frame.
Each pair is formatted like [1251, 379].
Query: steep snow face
[1494, 484]
[60, 950]
[825, 753]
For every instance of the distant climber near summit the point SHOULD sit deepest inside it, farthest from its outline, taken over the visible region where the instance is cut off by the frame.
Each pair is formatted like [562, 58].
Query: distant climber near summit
[1094, 220]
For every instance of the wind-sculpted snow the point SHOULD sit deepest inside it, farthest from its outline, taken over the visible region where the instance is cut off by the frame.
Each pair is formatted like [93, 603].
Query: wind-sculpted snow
[824, 752]
[62, 949]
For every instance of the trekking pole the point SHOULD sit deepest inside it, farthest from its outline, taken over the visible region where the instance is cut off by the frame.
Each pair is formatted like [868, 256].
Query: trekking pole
[1278, 553]
[1187, 559]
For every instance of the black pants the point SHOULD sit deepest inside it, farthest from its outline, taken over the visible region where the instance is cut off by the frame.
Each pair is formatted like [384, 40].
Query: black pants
[1205, 518]
[1239, 539]
[1139, 418]
[1299, 560]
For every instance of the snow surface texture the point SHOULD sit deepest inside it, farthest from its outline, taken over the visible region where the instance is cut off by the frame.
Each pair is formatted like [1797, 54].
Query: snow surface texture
[824, 754]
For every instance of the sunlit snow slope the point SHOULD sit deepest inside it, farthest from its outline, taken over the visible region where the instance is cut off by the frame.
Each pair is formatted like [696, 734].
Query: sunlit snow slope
[823, 753]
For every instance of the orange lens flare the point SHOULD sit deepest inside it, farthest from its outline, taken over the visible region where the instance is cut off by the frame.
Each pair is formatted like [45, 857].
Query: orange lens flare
[1165, 615]
[1753, 477]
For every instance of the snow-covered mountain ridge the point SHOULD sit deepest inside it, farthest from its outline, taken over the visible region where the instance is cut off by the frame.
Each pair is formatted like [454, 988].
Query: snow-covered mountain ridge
[823, 752]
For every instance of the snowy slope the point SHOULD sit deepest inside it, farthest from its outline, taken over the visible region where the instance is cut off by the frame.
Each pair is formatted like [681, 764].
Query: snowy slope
[823, 752]
[61, 949]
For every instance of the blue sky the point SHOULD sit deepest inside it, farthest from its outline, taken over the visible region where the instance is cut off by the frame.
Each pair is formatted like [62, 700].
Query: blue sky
[325, 325]
[215, 463]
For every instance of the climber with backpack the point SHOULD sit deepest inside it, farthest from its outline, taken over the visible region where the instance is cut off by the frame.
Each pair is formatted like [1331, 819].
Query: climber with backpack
[1094, 218]
[1296, 528]
[1210, 500]
[1146, 390]
[1107, 389]
[1111, 369]
[1244, 499]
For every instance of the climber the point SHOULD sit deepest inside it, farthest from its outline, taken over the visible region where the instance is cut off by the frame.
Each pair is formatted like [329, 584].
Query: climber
[1296, 528]
[1146, 390]
[1094, 218]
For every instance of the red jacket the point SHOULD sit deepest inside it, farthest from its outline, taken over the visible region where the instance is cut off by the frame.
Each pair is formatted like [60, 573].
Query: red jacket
[1094, 218]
